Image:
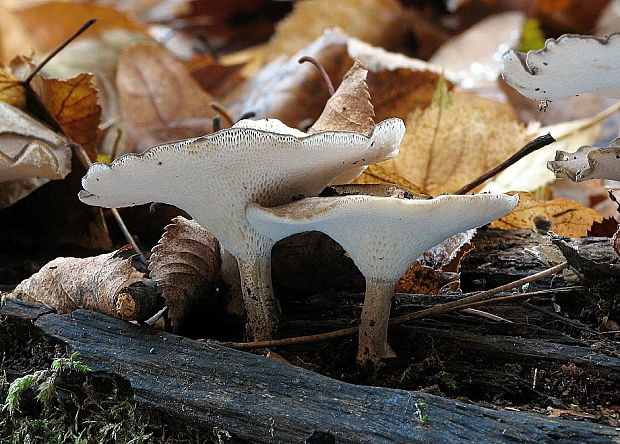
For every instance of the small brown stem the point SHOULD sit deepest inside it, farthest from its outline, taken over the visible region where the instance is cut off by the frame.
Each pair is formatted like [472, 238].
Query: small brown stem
[62, 46]
[326, 79]
[529, 148]
[117, 140]
[87, 163]
[466, 302]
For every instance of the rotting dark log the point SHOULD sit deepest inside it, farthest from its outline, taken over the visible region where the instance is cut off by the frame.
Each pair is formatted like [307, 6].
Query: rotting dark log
[265, 401]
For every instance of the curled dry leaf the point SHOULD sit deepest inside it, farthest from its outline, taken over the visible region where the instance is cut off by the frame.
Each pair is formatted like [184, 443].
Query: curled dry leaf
[108, 284]
[349, 109]
[568, 66]
[74, 105]
[50, 23]
[30, 155]
[588, 162]
[293, 93]
[378, 22]
[473, 57]
[159, 100]
[420, 279]
[562, 216]
[447, 146]
[186, 266]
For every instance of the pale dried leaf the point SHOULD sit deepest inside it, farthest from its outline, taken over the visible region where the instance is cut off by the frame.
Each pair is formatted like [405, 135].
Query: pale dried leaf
[445, 148]
[571, 65]
[11, 89]
[376, 173]
[186, 266]
[565, 217]
[474, 56]
[349, 109]
[93, 283]
[30, 155]
[160, 101]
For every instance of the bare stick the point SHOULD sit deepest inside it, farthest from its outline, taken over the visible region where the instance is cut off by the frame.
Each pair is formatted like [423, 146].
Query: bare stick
[62, 46]
[436, 310]
[220, 109]
[529, 148]
[326, 79]
[86, 162]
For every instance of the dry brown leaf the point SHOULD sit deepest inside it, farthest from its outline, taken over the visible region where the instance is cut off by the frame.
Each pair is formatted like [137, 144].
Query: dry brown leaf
[11, 89]
[186, 266]
[378, 174]
[73, 103]
[50, 23]
[215, 78]
[562, 216]
[160, 101]
[378, 22]
[100, 283]
[293, 93]
[30, 155]
[349, 109]
[445, 148]
[420, 279]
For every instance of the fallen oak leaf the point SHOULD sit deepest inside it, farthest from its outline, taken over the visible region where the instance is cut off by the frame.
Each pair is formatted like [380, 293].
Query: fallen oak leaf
[159, 99]
[562, 216]
[185, 264]
[107, 283]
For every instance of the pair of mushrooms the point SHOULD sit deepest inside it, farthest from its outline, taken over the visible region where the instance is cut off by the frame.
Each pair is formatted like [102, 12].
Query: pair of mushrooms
[244, 184]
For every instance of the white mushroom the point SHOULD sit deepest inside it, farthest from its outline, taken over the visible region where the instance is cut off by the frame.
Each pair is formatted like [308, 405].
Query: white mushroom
[214, 177]
[383, 236]
[571, 65]
[588, 162]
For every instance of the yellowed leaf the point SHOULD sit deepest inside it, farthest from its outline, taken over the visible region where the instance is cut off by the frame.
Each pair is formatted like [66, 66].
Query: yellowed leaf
[50, 23]
[445, 148]
[378, 22]
[14, 38]
[565, 217]
[159, 99]
[11, 89]
[73, 103]
[378, 174]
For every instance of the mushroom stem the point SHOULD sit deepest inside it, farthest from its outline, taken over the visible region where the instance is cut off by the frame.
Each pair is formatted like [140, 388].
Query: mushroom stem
[373, 345]
[262, 308]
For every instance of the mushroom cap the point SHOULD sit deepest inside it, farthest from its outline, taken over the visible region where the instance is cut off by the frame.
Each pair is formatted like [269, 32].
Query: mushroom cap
[214, 177]
[383, 235]
[567, 66]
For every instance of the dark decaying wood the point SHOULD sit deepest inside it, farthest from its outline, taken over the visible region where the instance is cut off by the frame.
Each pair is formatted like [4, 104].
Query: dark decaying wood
[263, 400]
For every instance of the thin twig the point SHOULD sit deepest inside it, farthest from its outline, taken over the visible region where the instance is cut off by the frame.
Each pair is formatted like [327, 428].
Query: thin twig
[224, 113]
[529, 148]
[484, 314]
[52, 54]
[436, 310]
[86, 163]
[556, 316]
[326, 79]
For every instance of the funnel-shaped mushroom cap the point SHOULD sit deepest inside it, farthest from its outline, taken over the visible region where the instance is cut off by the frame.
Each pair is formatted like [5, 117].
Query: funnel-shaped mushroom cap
[214, 177]
[383, 235]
